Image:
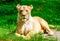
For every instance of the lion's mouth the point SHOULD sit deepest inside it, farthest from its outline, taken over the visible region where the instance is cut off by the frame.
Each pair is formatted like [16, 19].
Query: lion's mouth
[23, 19]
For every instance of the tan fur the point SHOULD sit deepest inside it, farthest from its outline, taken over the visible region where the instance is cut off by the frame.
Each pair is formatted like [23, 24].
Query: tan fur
[28, 25]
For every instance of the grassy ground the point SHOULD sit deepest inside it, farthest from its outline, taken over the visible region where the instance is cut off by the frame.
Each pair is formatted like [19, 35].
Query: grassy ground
[4, 36]
[37, 37]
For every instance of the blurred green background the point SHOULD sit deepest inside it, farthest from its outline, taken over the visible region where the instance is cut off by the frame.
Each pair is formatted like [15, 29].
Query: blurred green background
[47, 9]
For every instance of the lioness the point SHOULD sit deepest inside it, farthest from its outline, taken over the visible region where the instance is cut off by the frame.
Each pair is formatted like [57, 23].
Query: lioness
[28, 25]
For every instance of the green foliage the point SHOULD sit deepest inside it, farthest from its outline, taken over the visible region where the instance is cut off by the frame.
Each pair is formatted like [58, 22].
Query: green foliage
[47, 9]
[7, 9]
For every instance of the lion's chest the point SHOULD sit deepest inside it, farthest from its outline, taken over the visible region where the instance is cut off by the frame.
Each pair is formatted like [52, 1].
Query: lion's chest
[28, 26]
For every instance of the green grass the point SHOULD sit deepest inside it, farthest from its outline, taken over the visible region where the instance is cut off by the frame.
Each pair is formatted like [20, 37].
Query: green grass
[57, 27]
[37, 37]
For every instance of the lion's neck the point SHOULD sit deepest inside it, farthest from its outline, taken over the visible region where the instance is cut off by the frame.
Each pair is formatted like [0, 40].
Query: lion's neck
[23, 24]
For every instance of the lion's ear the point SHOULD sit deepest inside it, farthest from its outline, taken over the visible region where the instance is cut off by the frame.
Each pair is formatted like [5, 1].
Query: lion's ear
[18, 6]
[30, 7]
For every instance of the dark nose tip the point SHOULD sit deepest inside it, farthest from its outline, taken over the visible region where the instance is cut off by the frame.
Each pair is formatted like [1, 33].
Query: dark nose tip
[21, 10]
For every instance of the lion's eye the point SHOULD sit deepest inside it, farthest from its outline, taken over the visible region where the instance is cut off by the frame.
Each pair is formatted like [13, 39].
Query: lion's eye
[26, 10]
[21, 10]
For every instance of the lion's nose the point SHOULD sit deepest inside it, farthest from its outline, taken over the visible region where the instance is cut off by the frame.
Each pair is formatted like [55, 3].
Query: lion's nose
[23, 16]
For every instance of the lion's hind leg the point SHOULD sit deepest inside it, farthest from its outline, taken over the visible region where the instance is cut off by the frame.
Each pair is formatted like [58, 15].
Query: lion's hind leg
[45, 26]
